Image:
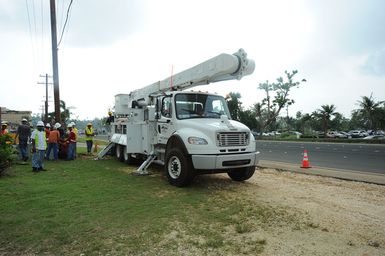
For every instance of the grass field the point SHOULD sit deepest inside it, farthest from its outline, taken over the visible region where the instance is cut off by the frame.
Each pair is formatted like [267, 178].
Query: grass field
[96, 207]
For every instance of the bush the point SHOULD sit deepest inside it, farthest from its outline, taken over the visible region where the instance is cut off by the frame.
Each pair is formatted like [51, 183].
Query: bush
[6, 151]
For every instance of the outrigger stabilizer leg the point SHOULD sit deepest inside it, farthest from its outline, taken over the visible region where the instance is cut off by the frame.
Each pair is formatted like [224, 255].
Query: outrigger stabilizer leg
[142, 170]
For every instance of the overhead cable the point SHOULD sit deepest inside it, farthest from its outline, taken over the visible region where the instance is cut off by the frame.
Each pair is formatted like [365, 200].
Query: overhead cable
[65, 23]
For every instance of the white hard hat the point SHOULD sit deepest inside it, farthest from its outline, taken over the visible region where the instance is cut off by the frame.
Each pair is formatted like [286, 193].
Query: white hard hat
[24, 120]
[73, 123]
[47, 125]
[57, 125]
[4, 123]
[40, 123]
[70, 125]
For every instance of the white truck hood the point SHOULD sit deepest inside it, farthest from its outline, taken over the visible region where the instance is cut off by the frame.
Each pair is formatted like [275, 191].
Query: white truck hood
[213, 125]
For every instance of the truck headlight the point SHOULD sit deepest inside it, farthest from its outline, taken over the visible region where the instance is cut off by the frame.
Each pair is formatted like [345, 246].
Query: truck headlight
[197, 141]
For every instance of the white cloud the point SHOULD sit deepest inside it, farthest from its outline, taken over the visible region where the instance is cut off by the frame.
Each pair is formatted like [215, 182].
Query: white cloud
[375, 63]
[120, 46]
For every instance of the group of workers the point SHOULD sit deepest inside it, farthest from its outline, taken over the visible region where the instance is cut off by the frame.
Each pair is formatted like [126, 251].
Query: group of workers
[45, 139]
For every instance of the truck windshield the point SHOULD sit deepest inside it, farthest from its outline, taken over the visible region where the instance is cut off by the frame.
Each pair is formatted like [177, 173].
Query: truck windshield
[198, 105]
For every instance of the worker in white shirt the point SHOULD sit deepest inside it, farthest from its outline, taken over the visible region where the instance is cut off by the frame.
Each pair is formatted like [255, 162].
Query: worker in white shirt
[39, 145]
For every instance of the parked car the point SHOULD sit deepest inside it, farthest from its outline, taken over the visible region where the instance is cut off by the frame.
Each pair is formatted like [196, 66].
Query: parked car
[345, 135]
[356, 134]
[256, 134]
[374, 137]
[335, 134]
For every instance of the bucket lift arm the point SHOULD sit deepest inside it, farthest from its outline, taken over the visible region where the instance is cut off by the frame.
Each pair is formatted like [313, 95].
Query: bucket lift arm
[220, 68]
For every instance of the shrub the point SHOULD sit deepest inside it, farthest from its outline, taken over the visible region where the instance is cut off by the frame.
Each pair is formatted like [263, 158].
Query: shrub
[6, 151]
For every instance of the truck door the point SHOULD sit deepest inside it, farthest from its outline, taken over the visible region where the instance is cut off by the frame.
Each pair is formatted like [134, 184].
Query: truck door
[165, 126]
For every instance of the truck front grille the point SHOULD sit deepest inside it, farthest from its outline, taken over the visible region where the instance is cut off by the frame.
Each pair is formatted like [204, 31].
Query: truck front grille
[226, 139]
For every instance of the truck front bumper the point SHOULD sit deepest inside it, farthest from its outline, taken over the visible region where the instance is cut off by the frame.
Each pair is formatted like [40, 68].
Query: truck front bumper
[215, 162]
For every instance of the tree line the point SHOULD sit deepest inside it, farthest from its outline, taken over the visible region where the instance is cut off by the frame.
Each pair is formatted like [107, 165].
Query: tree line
[265, 115]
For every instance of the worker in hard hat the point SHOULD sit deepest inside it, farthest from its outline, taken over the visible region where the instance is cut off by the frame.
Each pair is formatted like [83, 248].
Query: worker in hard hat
[24, 134]
[4, 126]
[53, 143]
[39, 145]
[110, 118]
[109, 121]
[71, 141]
[89, 137]
[76, 131]
[47, 130]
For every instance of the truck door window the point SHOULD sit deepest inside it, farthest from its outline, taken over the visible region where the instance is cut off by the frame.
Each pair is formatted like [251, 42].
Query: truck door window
[200, 106]
[166, 109]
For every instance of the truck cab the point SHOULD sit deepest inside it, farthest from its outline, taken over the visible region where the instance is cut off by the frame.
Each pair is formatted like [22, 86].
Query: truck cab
[198, 136]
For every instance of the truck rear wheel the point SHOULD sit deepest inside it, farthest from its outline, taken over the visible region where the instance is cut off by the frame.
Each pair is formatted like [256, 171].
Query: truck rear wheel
[179, 169]
[127, 158]
[242, 174]
[119, 152]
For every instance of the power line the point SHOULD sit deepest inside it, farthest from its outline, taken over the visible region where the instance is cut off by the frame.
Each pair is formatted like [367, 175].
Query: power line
[31, 36]
[42, 34]
[65, 23]
[62, 14]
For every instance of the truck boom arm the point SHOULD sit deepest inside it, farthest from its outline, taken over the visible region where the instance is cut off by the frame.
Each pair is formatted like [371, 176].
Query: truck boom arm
[220, 68]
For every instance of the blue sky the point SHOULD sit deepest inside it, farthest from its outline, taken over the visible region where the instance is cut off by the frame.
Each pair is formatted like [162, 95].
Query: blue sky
[112, 47]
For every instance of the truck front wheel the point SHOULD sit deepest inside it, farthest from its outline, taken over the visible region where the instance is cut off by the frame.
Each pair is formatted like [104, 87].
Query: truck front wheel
[179, 169]
[242, 174]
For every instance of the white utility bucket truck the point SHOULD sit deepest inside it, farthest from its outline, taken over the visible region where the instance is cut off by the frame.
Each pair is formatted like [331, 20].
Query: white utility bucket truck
[189, 132]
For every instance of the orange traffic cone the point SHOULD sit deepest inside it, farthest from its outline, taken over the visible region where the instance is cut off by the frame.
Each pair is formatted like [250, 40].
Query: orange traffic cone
[96, 148]
[305, 161]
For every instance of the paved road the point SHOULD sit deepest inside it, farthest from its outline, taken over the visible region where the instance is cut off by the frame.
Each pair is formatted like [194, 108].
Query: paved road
[356, 157]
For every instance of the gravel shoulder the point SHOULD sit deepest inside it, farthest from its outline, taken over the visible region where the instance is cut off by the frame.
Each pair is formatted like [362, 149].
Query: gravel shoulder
[342, 217]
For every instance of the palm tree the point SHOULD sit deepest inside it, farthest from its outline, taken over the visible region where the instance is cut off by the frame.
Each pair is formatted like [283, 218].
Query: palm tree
[64, 112]
[234, 104]
[369, 110]
[326, 112]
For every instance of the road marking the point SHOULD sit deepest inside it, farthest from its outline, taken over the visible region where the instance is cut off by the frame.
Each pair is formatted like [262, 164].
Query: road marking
[317, 148]
[376, 151]
[334, 149]
[345, 157]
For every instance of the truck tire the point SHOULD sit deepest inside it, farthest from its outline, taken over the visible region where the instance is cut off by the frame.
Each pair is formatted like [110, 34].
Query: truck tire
[119, 152]
[127, 158]
[242, 174]
[179, 169]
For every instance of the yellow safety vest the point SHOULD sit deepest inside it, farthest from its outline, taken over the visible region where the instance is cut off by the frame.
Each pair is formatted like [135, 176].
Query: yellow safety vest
[37, 139]
[89, 131]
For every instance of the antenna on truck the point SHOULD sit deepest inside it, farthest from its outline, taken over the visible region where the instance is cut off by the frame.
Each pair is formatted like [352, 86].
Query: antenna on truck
[171, 81]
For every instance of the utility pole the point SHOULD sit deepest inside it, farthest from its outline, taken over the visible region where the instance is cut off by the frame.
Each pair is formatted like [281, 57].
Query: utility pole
[55, 68]
[46, 96]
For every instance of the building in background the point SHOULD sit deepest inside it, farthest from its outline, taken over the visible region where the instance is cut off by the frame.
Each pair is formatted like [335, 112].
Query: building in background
[14, 117]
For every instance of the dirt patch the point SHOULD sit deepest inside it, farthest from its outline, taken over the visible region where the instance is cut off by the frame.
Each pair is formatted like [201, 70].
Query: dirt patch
[283, 213]
[340, 217]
